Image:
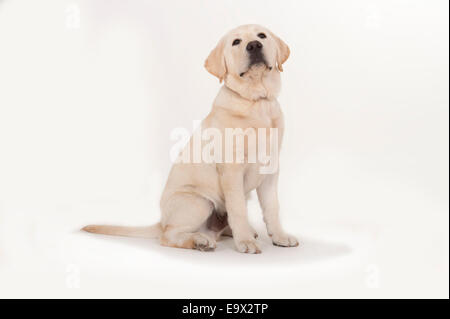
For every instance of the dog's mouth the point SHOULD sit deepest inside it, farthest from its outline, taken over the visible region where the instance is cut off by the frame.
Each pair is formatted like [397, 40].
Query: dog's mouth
[256, 64]
[257, 60]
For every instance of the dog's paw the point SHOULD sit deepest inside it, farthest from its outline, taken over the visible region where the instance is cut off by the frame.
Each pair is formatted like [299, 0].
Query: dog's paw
[248, 246]
[204, 242]
[284, 240]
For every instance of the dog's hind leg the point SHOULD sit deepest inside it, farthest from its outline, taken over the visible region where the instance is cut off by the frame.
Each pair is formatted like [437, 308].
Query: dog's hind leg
[185, 215]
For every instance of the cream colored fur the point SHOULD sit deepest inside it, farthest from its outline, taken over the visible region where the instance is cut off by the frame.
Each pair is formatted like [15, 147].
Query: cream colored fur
[198, 195]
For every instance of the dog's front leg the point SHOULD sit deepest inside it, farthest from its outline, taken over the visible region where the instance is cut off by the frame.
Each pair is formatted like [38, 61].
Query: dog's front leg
[232, 181]
[268, 199]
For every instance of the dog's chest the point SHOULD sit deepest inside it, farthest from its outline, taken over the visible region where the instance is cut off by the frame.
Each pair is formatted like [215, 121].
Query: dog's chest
[267, 116]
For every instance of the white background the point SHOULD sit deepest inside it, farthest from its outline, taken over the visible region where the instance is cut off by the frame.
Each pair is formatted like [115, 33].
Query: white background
[90, 91]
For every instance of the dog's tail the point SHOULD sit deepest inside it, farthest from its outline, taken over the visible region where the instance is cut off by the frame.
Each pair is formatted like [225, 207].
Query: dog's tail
[154, 231]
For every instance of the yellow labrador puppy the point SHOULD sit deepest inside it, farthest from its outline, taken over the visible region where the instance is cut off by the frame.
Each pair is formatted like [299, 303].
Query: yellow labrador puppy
[203, 200]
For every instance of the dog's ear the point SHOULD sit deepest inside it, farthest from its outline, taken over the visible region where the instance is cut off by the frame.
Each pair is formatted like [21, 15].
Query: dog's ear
[215, 63]
[282, 52]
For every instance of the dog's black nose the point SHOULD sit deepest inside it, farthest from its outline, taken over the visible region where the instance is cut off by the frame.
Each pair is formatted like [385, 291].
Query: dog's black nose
[254, 46]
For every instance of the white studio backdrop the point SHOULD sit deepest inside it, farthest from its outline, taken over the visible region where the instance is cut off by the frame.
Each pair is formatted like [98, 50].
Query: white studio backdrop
[91, 90]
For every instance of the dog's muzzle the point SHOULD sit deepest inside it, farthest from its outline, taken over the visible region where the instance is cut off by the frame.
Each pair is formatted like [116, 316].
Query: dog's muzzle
[255, 54]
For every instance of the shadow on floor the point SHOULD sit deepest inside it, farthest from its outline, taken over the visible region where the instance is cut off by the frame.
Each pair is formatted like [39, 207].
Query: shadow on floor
[310, 251]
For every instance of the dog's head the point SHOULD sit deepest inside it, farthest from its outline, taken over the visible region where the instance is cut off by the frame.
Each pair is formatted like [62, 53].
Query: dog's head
[246, 55]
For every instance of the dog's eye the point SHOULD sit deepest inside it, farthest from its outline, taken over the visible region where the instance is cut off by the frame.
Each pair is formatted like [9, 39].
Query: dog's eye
[262, 35]
[236, 42]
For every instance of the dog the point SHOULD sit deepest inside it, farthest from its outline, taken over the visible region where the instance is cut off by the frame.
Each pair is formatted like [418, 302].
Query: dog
[206, 200]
